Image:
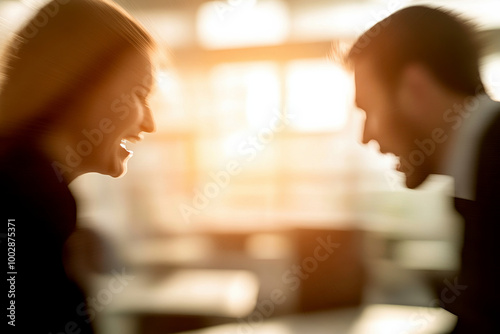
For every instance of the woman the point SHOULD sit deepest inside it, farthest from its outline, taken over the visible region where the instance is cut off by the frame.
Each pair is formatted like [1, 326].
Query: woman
[74, 91]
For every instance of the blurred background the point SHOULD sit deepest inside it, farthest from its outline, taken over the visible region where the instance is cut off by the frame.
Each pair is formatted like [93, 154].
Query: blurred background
[254, 208]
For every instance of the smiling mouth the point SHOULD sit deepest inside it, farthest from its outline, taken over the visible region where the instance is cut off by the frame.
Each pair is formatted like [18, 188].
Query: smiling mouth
[132, 139]
[123, 144]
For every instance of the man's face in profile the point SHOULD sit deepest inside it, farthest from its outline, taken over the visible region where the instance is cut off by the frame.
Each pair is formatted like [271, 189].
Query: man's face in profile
[388, 120]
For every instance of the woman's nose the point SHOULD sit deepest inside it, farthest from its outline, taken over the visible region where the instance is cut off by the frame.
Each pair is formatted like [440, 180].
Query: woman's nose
[148, 123]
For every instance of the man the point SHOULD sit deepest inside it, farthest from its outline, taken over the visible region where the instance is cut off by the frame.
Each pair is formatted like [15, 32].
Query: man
[417, 79]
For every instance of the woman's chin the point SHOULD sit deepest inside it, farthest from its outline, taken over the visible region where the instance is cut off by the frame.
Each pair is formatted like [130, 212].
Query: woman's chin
[119, 174]
[120, 170]
[116, 168]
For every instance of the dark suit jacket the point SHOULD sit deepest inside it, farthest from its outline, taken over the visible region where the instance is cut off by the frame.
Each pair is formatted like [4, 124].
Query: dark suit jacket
[46, 300]
[478, 299]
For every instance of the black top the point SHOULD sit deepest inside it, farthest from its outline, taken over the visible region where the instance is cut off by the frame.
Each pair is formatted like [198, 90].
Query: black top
[477, 289]
[46, 300]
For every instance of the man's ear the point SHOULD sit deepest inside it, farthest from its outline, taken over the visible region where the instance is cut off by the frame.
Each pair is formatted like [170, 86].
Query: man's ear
[415, 92]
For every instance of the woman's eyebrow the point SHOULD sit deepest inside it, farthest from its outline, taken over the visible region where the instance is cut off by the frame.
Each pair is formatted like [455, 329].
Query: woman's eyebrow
[153, 86]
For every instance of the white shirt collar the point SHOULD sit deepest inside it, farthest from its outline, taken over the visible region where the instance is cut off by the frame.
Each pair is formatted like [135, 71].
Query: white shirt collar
[461, 160]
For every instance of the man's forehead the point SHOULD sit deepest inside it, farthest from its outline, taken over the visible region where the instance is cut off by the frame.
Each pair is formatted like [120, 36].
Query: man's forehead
[360, 83]
[363, 70]
[364, 80]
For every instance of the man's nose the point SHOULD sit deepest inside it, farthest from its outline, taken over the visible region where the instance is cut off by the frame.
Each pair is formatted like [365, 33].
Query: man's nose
[367, 136]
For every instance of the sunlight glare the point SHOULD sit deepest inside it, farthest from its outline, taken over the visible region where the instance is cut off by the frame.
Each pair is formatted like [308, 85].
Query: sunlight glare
[319, 95]
[263, 94]
[222, 24]
[242, 294]
[491, 74]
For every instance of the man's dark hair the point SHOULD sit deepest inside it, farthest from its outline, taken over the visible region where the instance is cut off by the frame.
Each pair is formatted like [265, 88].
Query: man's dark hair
[437, 39]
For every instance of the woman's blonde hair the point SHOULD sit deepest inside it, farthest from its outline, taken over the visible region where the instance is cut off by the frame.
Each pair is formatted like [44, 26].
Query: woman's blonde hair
[58, 56]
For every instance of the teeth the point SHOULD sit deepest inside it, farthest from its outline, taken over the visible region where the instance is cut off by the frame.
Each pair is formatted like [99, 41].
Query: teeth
[132, 140]
[123, 143]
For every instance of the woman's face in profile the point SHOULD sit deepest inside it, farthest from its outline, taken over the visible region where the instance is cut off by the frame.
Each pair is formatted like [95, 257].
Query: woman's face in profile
[116, 113]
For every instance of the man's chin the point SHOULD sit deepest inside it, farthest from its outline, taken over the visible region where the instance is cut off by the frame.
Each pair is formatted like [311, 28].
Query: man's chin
[414, 180]
[414, 175]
